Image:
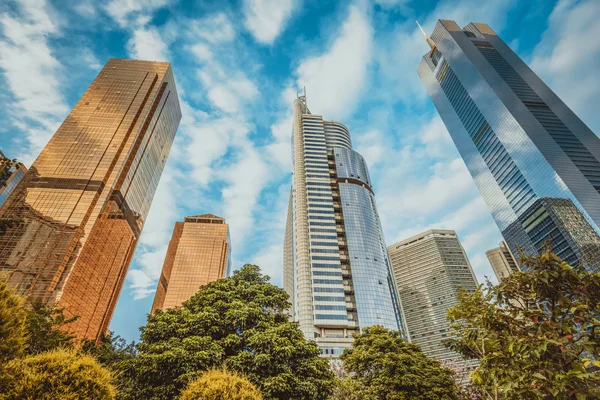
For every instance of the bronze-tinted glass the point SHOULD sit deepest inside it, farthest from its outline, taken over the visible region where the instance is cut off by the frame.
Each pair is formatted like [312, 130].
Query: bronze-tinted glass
[81, 209]
[199, 253]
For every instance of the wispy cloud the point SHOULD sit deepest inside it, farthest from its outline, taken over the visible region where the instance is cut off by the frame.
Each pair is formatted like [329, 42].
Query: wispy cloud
[265, 19]
[32, 73]
[336, 78]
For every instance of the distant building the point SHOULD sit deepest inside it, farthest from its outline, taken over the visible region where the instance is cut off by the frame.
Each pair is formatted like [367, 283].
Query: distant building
[199, 253]
[11, 174]
[429, 269]
[536, 164]
[83, 204]
[502, 261]
[336, 267]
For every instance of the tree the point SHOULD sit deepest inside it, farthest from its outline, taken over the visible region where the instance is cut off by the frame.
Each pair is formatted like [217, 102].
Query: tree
[111, 351]
[218, 385]
[56, 375]
[238, 323]
[13, 333]
[387, 367]
[47, 328]
[537, 333]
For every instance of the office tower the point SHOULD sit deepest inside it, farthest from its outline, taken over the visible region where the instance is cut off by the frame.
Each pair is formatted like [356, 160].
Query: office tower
[336, 268]
[502, 261]
[199, 253]
[536, 164]
[429, 269]
[81, 209]
[11, 173]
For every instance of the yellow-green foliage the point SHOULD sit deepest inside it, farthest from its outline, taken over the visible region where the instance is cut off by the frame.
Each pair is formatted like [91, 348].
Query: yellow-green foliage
[221, 385]
[13, 319]
[56, 375]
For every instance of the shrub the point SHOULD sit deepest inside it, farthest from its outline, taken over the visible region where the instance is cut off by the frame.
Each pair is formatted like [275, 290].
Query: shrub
[56, 375]
[221, 385]
[13, 319]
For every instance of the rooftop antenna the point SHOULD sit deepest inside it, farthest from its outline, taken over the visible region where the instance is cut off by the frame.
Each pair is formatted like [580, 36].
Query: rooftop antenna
[428, 39]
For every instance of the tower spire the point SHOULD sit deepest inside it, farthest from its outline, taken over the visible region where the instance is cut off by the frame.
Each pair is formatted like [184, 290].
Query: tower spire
[429, 40]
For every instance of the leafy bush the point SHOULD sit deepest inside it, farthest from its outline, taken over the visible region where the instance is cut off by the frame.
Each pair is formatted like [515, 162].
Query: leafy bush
[56, 375]
[13, 319]
[221, 385]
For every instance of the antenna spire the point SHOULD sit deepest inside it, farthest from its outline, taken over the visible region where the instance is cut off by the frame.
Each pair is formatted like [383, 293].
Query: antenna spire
[429, 40]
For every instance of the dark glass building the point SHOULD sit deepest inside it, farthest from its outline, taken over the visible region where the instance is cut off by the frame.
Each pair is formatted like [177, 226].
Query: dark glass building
[536, 164]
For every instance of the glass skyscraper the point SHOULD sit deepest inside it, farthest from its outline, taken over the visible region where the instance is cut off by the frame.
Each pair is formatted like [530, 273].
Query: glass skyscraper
[199, 253]
[536, 164]
[336, 267]
[80, 210]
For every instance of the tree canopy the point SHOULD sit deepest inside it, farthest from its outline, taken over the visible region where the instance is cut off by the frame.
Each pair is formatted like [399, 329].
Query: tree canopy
[56, 375]
[238, 323]
[537, 333]
[220, 385]
[386, 367]
[47, 328]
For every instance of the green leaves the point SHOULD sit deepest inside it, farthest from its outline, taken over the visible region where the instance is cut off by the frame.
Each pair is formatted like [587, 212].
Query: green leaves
[387, 367]
[239, 323]
[535, 333]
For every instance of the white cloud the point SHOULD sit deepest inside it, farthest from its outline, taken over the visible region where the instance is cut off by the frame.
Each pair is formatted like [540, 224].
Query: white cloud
[265, 19]
[215, 28]
[568, 57]
[32, 73]
[142, 281]
[123, 11]
[335, 80]
[246, 177]
[146, 43]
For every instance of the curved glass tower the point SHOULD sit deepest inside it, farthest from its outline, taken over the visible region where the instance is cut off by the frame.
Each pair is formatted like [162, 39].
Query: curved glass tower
[336, 267]
[536, 164]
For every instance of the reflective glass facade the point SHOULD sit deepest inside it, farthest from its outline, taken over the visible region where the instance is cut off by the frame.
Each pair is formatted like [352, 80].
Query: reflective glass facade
[84, 202]
[536, 164]
[10, 175]
[336, 267]
[429, 270]
[199, 253]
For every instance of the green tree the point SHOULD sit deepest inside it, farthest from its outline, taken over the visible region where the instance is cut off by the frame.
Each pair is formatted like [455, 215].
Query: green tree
[239, 323]
[111, 351]
[220, 385]
[56, 375]
[13, 332]
[387, 367]
[47, 328]
[537, 333]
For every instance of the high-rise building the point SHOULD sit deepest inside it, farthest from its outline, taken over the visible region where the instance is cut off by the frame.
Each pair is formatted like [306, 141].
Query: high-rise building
[336, 268]
[429, 270]
[11, 173]
[81, 209]
[199, 253]
[536, 164]
[502, 261]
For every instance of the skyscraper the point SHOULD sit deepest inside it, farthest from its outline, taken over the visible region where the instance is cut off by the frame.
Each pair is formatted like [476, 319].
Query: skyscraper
[536, 164]
[502, 261]
[81, 209]
[336, 268]
[199, 252]
[11, 173]
[429, 269]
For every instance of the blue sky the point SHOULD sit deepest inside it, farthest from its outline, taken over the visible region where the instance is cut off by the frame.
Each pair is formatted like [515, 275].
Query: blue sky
[238, 66]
